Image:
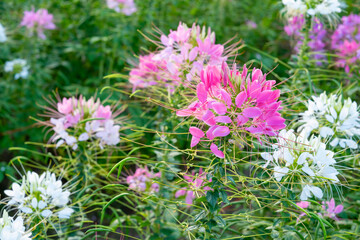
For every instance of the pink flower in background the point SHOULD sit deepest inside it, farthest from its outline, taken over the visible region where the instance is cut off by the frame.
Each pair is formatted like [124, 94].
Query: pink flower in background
[126, 7]
[229, 101]
[195, 183]
[142, 181]
[302, 204]
[251, 24]
[331, 210]
[346, 42]
[38, 21]
[294, 30]
[317, 41]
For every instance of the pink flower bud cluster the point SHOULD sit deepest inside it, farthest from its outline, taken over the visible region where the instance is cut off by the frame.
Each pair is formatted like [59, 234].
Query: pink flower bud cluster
[142, 181]
[230, 101]
[38, 21]
[77, 120]
[196, 183]
[185, 52]
[346, 41]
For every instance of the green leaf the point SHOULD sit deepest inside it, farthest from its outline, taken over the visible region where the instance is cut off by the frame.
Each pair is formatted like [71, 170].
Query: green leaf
[212, 197]
[120, 165]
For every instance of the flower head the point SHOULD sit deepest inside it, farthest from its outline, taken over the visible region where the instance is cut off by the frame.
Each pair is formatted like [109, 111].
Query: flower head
[42, 196]
[18, 67]
[333, 119]
[196, 184]
[304, 161]
[11, 229]
[141, 180]
[79, 120]
[38, 21]
[231, 102]
[331, 210]
[312, 7]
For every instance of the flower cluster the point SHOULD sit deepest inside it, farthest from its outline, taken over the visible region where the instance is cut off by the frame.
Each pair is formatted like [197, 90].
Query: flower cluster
[346, 41]
[229, 101]
[302, 160]
[332, 118]
[126, 7]
[141, 181]
[185, 52]
[18, 67]
[196, 183]
[42, 196]
[3, 37]
[312, 7]
[11, 229]
[38, 21]
[78, 120]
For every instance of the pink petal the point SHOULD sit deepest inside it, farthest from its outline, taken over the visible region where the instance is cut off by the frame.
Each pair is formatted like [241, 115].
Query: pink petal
[219, 108]
[196, 132]
[194, 141]
[181, 192]
[209, 133]
[189, 198]
[242, 120]
[252, 112]
[263, 96]
[240, 99]
[339, 209]
[184, 113]
[223, 119]
[226, 96]
[221, 131]
[201, 92]
[276, 123]
[215, 150]
[256, 74]
[208, 118]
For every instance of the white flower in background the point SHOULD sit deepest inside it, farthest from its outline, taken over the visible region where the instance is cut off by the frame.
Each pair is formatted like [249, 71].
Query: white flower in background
[3, 37]
[40, 195]
[18, 67]
[306, 160]
[11, 229]
[311, 7]
[294, 7]
[333, 119]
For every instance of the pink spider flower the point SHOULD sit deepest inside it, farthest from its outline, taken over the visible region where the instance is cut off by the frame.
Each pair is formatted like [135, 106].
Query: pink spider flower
[75, 120]
[142, 180]
[38, 21]
[229, 101]
[332, 210]
[196, 183]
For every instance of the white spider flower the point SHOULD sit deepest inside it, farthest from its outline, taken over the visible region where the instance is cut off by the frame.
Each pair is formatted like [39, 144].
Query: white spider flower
[312, 7]
[333, 119]
[40, 195]
[3, 37]
[11, 229]
[18, 67]
[297, 159]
